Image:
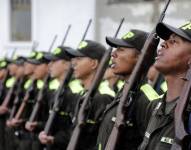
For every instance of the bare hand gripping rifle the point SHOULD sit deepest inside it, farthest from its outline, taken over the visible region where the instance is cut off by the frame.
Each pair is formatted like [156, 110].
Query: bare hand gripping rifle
[81, 118]
[145, 61]
[62, 87]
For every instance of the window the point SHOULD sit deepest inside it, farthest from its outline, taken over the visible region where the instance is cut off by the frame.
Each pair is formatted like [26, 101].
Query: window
[20, 20]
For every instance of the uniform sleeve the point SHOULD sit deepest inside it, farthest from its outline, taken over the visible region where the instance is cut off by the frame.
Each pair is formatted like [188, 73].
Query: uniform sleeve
[99, 104]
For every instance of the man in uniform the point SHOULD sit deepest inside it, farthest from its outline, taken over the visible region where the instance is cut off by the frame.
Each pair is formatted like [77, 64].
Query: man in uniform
[58, 68]
[85, 62]
[124, 58]
[173, 61]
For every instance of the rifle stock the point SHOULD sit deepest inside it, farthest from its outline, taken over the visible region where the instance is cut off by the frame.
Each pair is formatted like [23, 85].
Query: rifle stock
[91, 92]
[140, 70]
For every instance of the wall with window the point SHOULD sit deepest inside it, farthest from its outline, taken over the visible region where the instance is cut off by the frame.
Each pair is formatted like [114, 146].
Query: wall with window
[23, 22]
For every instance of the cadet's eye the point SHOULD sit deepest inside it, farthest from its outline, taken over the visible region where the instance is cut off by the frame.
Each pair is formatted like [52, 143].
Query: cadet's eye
[120, 49]
[173, 41]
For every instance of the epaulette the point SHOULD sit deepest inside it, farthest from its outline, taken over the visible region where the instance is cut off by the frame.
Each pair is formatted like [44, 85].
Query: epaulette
[105, 89]
[54, 84]
[76, 86]
[149, 92]
[10, 82]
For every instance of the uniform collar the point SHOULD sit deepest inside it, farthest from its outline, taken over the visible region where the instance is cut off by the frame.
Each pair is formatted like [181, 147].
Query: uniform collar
[161, 110]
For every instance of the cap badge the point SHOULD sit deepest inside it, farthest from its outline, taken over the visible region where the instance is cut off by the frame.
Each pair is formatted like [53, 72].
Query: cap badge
[3, 64]
[57, 51]
[128, 35]
[32, 54]
[82, 44]
[39, 56]
[186, 26]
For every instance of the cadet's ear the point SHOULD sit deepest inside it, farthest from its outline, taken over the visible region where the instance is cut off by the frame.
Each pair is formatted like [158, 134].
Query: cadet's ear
[94, 64]
[189, 62]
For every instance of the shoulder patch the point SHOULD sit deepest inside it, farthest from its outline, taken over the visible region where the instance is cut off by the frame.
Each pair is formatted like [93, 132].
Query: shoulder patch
[149, 92]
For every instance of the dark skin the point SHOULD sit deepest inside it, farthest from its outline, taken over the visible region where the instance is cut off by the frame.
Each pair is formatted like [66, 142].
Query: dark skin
[173, 60]
[110, 77]
[152, 74]
[124, 60]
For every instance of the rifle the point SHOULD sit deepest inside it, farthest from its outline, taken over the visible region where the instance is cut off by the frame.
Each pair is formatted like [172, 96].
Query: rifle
[40, 93]
[140, 70]
[11, 90]
[16, 99]
[182, 138]
[62, 88]
[81, 118]
[9, 94]
[66, 34]
[52, 44]
[24, 102]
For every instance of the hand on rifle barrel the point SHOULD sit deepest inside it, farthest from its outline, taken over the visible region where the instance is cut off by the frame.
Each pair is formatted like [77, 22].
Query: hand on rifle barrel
[15, 122]
[45, 139]
[3, 110]
[30, 126]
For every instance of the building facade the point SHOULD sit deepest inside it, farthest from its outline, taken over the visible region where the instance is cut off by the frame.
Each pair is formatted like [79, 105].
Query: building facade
[26, 21]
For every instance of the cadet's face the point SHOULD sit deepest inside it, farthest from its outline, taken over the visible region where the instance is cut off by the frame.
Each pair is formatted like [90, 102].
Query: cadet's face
[40, 71]
[124, 60]
[57, 68]
[2, 73]
[29, 68]
[20, 71]
[82, 67]
[173, 56]
[12, 69]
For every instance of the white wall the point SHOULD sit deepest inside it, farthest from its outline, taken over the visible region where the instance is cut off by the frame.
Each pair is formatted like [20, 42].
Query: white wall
[137, 16]
[50, 17]
[53, 17]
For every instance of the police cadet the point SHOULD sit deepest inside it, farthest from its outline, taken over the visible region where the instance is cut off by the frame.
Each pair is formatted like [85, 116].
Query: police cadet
[85, 63]
[10, 132]
[58, 68]
[16, 82]
[124, 58]
[3, 78]
[173, 61]
[23, 138]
